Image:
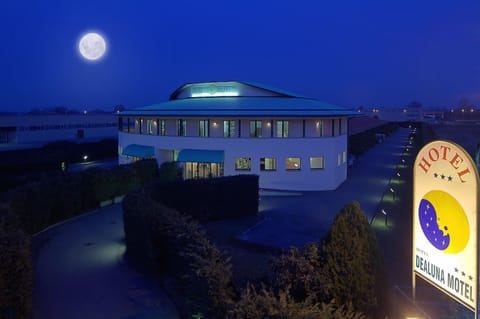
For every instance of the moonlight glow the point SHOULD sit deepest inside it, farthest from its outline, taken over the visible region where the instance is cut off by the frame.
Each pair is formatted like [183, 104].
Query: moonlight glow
[92, 46]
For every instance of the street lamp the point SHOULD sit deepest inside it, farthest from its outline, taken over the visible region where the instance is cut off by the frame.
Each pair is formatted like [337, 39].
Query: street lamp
[386, 217]
[85, 158]
[393, 193]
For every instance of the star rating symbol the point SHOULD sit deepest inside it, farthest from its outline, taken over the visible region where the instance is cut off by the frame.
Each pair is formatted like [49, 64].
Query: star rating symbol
[463, 273]
[443, 176]
[470, 277]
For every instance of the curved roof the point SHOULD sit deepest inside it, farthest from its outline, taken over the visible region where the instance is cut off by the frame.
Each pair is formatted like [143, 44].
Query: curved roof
[249, 99]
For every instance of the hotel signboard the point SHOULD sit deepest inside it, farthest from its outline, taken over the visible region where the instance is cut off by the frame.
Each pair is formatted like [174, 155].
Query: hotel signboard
[445, 224]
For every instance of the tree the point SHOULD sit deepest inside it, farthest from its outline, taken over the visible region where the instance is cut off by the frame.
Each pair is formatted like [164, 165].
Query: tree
[352, 261]
[279, 304]
[299, 271]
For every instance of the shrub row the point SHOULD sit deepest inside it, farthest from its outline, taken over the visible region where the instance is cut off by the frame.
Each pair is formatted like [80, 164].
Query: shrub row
[359, 143]
[160, 239]
[43, 203]
[16, 281]
[210, 199]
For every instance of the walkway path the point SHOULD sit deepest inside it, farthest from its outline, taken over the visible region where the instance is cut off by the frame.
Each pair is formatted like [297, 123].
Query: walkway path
[80, 272]
[296, 220]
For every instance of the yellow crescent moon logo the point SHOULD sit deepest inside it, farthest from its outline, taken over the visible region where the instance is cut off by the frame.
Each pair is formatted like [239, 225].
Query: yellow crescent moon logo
[444, 222]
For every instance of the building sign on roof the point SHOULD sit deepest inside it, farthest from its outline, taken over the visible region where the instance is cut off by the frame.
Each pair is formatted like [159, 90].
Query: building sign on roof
[213, 90]
[445, 224]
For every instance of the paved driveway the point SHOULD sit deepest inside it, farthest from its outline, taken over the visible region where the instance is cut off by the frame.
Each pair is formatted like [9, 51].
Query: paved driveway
[295, 220]
[80, 272]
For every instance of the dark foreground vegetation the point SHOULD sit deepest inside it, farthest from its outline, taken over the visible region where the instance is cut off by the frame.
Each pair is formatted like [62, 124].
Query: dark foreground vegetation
[321, 280]
[340, 276]
[37, 205]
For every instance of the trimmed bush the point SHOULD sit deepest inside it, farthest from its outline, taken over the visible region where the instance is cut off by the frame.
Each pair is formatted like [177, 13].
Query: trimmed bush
[16, 281]
[210, 199]
[49, 201]
[359, 143]
[160, 239]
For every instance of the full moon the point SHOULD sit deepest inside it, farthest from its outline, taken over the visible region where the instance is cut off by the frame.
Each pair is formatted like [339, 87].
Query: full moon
[92, 46]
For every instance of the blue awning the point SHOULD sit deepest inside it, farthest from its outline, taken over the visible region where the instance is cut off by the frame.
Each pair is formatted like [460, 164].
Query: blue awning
[200, 156]
[137, 150]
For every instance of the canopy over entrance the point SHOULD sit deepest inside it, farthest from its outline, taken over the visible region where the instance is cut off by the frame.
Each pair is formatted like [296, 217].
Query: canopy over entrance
[200, 156]
[137, 150]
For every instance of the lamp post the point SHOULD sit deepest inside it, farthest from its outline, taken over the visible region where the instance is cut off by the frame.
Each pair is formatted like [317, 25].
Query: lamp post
[393, 193]
[386, 217]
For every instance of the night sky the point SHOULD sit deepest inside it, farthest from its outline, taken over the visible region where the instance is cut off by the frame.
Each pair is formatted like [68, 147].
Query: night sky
[349, 53]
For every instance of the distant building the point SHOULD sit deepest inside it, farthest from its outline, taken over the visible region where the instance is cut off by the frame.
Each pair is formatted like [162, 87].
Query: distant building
[396, 114]
[228, 128]
[34, 130]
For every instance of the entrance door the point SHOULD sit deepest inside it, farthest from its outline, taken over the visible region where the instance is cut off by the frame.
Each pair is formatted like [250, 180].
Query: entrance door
[203, 170]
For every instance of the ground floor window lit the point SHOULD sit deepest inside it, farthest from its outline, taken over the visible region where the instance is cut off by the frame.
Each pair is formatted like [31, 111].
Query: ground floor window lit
[202, 170]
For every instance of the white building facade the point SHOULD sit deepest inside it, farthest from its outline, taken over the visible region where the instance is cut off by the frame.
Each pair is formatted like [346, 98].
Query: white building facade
[230, 128]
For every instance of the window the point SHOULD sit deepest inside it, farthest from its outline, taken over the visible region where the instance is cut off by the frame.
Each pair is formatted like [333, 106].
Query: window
[339, 159]
[243, 163]
[181, 127]
[344, 155]
[228, 128]
[204, 128]
[151, 127]
[319, 127]
[268, 164]
[339, 126]
[282, 128]
[162, 127]
[256, 128]
[292, 163]
[317, 162]
[139, 126]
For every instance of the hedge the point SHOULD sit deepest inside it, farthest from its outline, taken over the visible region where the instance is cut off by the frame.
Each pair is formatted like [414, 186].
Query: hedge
[162, 240]
[16, 278]
[43, 203]
[361, 142]
[210, 199]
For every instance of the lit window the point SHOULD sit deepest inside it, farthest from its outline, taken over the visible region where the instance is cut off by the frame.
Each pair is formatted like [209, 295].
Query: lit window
[344, 155]
[181, 127]
[292, 163]
[256, 128]
[282, 128]
[228, 128]
[268, 164]
[317, 162]
[243, 163]
[339, 159]
[204, 128]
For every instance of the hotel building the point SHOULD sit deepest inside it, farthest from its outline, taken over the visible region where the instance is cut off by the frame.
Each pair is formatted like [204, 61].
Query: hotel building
[228, 128]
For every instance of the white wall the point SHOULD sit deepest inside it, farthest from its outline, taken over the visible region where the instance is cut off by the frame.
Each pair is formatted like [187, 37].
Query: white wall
[255, 148]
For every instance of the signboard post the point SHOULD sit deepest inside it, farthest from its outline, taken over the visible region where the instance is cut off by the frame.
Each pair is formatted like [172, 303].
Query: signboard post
[445, 223]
